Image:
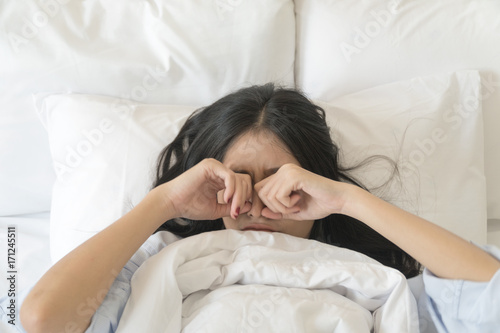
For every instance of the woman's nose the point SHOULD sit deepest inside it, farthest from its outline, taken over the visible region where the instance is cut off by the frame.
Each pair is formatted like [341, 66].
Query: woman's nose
[257, 206]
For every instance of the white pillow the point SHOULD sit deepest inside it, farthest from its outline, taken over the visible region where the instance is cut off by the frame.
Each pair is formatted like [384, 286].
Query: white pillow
[433, 128]
[169, 52]
[105, 151]
[344, 46]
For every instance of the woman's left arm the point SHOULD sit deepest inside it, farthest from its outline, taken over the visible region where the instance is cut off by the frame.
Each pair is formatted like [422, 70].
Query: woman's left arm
[442, 252]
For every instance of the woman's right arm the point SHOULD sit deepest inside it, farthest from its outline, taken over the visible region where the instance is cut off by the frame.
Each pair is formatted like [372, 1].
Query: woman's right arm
[82, 276]
[85, 275]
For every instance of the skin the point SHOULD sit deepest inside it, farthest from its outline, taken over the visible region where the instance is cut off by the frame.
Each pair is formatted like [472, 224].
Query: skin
[266, 155]
[286, 200]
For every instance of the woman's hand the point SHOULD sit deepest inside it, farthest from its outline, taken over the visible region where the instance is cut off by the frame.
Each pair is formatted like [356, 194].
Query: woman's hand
[295, 193]
[193, 194]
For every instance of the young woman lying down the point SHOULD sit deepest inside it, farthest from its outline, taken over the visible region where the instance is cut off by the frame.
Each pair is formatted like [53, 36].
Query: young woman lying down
[262, 159]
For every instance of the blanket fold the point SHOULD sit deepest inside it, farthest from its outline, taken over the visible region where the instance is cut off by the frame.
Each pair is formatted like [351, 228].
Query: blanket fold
[232, 281]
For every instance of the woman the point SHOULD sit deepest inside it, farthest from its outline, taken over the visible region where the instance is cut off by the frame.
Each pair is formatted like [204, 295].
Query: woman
[258, 159]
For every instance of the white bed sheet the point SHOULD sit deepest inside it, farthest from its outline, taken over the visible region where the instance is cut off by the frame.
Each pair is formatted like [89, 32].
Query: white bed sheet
[32, 257]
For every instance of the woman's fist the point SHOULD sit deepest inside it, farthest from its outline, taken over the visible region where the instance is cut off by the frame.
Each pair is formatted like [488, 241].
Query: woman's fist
[193, 194]
[295, 193]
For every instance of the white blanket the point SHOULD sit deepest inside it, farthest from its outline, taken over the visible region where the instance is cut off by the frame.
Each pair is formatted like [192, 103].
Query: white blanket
[231, 281]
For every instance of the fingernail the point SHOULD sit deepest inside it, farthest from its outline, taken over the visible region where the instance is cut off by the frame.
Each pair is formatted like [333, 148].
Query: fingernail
[237, 211]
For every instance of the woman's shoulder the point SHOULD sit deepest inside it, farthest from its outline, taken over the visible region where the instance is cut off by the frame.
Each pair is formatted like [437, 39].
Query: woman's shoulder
[461, 305]
[154, 244]
[157, 241]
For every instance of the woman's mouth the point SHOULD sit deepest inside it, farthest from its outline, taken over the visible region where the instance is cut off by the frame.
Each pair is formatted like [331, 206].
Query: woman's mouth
[258, 227]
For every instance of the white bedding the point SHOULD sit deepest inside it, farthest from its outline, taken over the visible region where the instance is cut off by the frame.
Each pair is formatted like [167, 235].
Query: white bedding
[231, 280]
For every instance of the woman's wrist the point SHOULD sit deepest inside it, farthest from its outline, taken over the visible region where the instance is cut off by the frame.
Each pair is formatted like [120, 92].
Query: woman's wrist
[352, 197]
[160, 205]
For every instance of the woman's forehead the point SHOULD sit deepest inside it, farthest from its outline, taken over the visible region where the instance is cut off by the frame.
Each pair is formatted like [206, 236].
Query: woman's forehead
[264, 149]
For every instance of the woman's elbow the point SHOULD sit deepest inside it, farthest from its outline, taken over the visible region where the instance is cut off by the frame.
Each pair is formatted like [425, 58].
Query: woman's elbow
[41, 318]
[33, 318]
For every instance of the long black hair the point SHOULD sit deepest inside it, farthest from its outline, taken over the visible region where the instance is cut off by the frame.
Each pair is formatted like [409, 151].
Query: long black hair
[301, 126]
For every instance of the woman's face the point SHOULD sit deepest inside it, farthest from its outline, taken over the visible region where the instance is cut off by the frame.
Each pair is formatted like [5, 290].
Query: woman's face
[261, 155]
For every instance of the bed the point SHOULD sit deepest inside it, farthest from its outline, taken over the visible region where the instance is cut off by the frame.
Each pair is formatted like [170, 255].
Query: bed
[91, 91]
